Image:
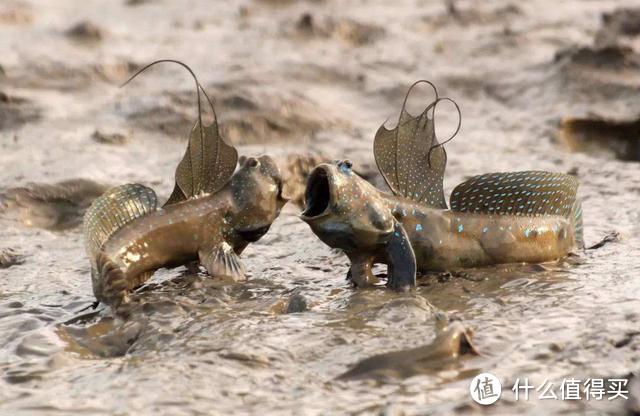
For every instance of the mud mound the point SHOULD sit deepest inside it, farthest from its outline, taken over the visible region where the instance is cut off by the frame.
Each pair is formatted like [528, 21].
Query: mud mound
[348, 31]
[245, 115]
[86, 31]
[57, 207]
[447, 348]
[169, 120]
[63, 77]
[16, 111]
[295, 171]
[9, 258]
[613, 57]
[620, 23]
[249, 115]
[599, 85]
[455, 15]
[137, 2]
[596, 135]
[109, 138]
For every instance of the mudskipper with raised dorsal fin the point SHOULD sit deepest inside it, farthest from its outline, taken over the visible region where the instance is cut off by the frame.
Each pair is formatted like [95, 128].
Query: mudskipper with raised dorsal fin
[495, 218]
[211, 216]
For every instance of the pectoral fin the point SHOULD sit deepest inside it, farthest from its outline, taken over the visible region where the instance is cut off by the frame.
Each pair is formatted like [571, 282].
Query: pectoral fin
[401, 260]
[222, 261]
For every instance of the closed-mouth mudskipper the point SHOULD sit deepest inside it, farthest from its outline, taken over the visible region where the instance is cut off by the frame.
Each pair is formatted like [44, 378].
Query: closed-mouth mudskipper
[504, 217]
[211, 216]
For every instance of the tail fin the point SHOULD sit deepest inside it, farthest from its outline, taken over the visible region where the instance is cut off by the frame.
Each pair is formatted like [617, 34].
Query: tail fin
[111, 211]
[577, 223]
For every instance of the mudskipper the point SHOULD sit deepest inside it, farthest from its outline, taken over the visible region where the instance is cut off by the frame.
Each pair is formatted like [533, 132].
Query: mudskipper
[211, 216]
[505, 217]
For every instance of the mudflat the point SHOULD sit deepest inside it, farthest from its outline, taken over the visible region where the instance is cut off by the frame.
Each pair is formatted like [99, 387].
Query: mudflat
[542, 85]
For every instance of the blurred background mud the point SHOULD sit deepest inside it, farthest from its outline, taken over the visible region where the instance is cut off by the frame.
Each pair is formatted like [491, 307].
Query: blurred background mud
[541, 84]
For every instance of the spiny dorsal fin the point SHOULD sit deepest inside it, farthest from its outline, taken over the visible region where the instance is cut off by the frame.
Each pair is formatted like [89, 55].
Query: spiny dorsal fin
[410, 158]
[529, 193]
[207, 164]
[114, 209]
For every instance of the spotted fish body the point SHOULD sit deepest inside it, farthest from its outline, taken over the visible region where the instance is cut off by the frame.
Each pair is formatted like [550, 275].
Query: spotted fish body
[506, 217]
[446, 240]
[348, 213]
[128, 237]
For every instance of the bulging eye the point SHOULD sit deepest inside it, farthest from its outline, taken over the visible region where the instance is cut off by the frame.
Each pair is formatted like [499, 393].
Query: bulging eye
[252, 162]
[345, 165]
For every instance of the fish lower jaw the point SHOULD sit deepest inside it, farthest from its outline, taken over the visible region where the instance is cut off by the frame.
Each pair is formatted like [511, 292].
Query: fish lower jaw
[310, 218]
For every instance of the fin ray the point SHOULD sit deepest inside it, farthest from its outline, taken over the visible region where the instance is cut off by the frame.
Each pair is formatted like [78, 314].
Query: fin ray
[401, 260]
[223, 262]
[410, 158]
[207, 165]
[114, 209]
[577, 224]
[526, 193]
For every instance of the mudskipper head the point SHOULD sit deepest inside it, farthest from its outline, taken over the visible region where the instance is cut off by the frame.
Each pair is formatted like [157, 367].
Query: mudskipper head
[343, 209]
[256, 191]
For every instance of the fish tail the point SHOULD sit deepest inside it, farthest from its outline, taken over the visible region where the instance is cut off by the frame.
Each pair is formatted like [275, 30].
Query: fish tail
[109, 281]
[577, 223]
[109, 213]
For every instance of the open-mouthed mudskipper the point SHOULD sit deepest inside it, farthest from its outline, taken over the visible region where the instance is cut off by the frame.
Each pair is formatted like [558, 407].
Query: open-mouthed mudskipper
[508, 217]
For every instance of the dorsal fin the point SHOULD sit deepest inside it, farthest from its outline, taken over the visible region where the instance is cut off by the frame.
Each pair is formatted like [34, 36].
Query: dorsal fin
[410, 158]
[113, 210]
[517, 193]
[209, 161]
[206, 166]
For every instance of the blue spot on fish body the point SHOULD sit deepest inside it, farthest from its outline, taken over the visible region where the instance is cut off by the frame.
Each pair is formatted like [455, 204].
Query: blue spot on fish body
[418, 227]
[527, 232]
[460, 228]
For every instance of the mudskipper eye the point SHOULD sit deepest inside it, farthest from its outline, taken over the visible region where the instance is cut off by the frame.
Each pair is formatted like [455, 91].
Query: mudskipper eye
[252, 162]
[345, 165]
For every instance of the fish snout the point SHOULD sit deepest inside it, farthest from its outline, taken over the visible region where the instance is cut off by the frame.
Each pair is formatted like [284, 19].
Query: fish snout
[318, 193]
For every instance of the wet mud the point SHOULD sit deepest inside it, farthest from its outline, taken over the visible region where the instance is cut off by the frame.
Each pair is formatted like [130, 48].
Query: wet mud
[16, 111]
[9, 257]
[307, 82]
[56, 207]
[451, 343]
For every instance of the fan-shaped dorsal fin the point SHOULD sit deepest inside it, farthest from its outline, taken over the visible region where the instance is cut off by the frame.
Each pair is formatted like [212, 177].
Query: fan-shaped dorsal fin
[410, 158]
[207, 164]
[209, 161]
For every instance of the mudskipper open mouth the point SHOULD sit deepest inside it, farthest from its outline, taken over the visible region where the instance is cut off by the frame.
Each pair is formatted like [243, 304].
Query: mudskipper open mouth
[317, 194]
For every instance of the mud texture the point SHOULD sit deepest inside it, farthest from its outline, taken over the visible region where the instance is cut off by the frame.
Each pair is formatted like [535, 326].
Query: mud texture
[302, 81]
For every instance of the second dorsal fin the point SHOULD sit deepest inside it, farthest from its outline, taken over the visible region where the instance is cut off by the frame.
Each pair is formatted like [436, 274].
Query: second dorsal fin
[528, 193]
[410, 158]
[113, 210]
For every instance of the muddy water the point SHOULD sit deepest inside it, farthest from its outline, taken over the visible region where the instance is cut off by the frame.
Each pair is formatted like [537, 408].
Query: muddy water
[299, 77]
